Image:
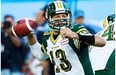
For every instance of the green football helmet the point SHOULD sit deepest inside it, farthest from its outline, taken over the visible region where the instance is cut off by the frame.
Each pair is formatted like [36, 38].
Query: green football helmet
[58, 7]
[108, 20]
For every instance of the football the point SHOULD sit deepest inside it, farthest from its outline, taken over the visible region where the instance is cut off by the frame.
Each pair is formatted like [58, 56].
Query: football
[23, 27]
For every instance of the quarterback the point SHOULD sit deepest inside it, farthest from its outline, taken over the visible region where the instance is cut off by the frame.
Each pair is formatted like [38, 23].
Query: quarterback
[104, 58]
[65, 45]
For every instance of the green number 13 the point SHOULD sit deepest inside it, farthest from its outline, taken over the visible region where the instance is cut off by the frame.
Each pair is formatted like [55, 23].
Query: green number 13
[66, 66]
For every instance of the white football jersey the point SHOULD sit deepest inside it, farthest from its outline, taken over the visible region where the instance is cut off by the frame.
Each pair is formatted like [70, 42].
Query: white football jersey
[70, 56]
[101, 55]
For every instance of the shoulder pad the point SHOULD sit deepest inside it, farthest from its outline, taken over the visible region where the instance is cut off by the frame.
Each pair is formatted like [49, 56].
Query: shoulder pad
[47, 33]
[77, 27]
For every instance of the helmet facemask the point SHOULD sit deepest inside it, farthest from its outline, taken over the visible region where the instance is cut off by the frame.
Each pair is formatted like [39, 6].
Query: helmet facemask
[60, 23]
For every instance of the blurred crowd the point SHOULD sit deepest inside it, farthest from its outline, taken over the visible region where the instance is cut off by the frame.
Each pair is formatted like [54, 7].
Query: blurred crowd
[16, 58]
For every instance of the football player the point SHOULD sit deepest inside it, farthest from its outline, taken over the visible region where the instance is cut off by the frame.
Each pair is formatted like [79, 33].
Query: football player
[66, 45]
[104, 58]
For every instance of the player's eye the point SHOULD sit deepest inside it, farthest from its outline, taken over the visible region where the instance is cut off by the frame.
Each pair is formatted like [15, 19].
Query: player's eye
[57, 16]
[64, 16]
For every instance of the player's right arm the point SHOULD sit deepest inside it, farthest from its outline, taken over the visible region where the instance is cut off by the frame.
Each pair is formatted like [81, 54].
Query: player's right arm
[36, 48]
[79, 32]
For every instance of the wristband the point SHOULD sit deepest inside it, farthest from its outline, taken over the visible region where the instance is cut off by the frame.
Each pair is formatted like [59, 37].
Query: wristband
[90, 39]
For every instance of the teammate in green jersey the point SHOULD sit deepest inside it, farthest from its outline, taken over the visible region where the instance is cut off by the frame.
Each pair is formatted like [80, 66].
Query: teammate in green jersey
[104, 58]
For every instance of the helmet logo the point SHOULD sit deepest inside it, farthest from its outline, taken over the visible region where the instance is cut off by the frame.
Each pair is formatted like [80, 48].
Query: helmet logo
[59, 5]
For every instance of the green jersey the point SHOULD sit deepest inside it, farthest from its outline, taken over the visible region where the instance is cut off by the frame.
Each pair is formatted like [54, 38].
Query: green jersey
[70, 56]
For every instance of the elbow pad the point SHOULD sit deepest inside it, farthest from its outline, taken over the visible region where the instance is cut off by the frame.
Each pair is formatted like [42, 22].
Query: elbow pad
[90, 39]
[36, 51]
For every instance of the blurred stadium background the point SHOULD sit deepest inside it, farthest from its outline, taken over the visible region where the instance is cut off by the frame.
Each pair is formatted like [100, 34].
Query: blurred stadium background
[95, 10]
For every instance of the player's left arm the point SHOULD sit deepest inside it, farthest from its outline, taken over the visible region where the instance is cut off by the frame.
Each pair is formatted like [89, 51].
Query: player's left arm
[89, 39]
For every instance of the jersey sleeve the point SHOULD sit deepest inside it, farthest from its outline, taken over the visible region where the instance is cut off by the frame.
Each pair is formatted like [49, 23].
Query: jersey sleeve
[40, 51]
[81, 30]
[36, 51]
[44, 42]
[44, 45]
